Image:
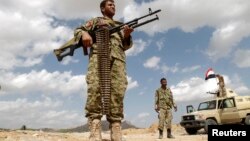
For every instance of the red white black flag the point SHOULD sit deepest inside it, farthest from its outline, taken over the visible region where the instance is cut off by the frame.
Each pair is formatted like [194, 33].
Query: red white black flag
[209, 74]
[212, 86]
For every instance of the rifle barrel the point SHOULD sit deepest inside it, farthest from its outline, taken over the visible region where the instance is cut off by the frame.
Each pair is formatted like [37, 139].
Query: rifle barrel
[148, 21]
[133, 23]
[151, 13]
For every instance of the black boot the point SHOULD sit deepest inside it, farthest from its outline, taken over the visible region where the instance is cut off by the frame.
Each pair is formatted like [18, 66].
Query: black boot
[160, 134]
[169, 135]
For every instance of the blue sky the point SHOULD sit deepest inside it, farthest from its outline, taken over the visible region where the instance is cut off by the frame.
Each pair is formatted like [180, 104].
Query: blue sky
[191, 36]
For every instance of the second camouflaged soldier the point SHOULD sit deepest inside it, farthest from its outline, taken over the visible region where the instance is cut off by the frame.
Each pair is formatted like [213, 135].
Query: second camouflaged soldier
[164, 103]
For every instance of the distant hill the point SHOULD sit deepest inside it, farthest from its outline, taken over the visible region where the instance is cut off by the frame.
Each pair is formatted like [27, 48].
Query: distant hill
[3, 129]
[105, 127]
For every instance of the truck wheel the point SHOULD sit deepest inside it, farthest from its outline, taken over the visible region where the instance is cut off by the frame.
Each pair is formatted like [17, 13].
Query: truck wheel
[209, 122]
[247, 120]
[191, 131]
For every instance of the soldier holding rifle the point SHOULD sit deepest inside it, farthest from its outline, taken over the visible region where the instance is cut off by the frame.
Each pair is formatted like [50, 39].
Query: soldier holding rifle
[119, 42]
[106, 78]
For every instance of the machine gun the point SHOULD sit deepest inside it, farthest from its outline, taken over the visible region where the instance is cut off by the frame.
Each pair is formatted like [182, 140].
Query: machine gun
[69, 47]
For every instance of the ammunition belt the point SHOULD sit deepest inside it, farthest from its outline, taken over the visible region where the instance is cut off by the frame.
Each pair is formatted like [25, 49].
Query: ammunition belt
[103, 52]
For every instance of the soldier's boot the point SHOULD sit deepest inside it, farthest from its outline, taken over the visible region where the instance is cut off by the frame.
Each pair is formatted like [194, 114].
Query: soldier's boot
[169, 135]
[95, 130]
[116, 131]
[160, 134]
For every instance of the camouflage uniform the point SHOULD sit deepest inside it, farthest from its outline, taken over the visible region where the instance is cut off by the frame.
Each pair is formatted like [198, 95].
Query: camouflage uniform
[164, 103]
[119, 82]
[222, 89]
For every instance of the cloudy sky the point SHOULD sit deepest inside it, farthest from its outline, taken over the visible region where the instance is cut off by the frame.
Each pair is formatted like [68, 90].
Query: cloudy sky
[190, 36]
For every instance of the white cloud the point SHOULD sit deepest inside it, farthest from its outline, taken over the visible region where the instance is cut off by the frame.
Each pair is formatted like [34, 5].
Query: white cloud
[189, 15]
[160, 44]
[27, 36]
[226, 38]
[68, 60]
[174, 69]
[42, 82]
[138, 47]
[237, 85]
[47, 83]
[229, 18]
[242, 90]
[165, 69]
[37, 33]
[191, 69]
[131, 84]
[74, 9]
[152, 63]
[195, 88]
[141, 118]
[242, 58]
[143, 115]
[129, 11]
[37, 114]
[187, 90]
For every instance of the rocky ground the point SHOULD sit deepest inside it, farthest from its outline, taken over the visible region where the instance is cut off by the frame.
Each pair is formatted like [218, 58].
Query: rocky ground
[147, 134]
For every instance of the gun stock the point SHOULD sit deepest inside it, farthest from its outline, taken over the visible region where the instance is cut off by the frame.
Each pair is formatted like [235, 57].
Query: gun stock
[68, 49]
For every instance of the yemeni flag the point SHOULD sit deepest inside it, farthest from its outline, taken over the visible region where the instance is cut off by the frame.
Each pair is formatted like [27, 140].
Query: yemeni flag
[209, 74]
[211, 83]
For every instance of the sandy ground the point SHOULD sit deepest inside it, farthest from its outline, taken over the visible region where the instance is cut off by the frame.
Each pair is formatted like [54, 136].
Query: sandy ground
[148, 134]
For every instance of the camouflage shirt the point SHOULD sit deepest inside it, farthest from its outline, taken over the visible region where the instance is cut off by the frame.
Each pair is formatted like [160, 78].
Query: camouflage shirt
[118, 44]
[164, 98]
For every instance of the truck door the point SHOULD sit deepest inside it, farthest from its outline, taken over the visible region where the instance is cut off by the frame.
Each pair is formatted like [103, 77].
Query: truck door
[229, 112]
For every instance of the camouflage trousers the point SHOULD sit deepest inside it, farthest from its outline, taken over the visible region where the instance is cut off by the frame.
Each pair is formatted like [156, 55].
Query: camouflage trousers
[165, 117]
[93, 108]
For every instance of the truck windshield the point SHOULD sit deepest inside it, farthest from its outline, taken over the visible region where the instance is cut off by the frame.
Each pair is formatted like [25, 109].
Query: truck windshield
[207, 105]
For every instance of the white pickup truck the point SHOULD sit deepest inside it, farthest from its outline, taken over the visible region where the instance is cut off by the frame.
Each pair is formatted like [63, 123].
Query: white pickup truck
[229, 109]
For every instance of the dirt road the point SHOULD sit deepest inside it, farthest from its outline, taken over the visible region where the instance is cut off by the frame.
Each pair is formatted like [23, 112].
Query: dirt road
[128, 135]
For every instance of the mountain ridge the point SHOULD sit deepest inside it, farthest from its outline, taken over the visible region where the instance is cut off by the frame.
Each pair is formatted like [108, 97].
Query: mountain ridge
[85, 128]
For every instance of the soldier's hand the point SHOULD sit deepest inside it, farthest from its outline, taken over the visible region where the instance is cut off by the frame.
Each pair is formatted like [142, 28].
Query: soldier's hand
[87, 40]
[127, 31]
[175, 109]
[156, 108]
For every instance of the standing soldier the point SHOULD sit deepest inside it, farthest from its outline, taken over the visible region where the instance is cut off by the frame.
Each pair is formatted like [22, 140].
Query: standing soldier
[119, 42]
[164, 103]
[221, 83]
